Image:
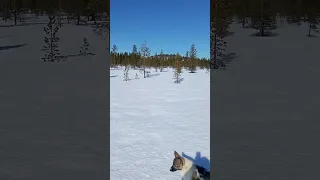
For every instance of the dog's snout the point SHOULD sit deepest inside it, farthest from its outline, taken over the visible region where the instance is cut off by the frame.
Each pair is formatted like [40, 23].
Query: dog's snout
[172, 169]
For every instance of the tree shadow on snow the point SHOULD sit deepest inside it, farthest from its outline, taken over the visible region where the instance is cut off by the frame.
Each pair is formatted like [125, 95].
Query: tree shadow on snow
[24, 24]
[202, 162]
[5, 37]
[67, 57]
[113, 76]
[179, 81]
[266, 34]
[152, 75]
[311, 36]
[224, 61]
[12, 47]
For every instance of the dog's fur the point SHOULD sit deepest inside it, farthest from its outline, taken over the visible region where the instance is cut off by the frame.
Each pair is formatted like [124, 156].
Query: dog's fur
[188, 170]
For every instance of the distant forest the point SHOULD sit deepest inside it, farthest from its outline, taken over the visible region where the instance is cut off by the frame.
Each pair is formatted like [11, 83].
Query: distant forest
[93, 10]
[262, 15]
[142, 58]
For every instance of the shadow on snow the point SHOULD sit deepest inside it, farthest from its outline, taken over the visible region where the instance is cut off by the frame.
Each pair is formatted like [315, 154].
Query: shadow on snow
[12, 47]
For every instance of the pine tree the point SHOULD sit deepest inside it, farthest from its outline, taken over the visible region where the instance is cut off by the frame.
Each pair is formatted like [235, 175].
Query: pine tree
[311, 17]
[241, 10]
[178, 69]
[156, 59]
[59, 13]
[126, 70]
[113, 62]
[85, 47]
[101, 29]
[84, 50]
[192, 60]
[134, 49]
[135, 55]
[161, 61]
[15, 13]
[263, 18]
[313, 25]
[21, 17]
[219, 25]
[51, 49]
[145, 52]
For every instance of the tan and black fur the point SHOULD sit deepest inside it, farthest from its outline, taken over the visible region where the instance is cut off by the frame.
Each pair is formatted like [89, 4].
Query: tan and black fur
[188, 170]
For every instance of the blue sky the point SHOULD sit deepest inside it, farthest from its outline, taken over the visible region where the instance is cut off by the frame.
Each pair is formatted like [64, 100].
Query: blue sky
[171, 25]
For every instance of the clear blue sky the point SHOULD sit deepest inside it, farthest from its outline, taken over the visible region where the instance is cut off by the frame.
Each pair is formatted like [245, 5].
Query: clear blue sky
[171, 25]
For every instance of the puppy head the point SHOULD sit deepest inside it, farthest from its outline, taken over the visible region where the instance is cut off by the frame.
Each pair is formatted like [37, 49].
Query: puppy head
[178, 162]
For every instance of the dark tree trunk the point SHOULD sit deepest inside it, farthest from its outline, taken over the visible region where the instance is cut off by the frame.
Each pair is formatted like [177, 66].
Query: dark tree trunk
[310, 24]
[93, 17]
[78, 17]
[4, 12]
[15, 17]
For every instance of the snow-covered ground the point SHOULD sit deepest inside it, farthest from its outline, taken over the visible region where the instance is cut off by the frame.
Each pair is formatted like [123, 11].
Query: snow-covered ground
[152, 117]
[265, 110]
[53, 116]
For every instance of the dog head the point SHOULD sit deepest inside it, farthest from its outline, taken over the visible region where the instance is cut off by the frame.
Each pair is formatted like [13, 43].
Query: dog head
[178, 162]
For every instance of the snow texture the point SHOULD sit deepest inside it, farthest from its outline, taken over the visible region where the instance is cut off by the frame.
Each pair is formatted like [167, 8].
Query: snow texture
[53, 116]
[152, 117]
[265, 110]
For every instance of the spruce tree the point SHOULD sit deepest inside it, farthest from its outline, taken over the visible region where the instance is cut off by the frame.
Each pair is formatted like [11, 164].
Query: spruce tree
[311, 17]
[161, 59]
[113, 54]
[219, 25]
[145, 52]
[263, 18]
[156, 59]
[178, 69]
[135, 56]
[84, 50]
[51, 47]
[126, 70]
[192, 60]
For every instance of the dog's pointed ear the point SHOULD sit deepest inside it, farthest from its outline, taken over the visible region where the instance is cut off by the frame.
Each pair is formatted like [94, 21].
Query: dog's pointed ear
[176, 154]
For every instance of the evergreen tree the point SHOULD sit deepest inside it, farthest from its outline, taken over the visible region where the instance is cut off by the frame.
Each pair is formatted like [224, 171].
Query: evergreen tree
[135, 56]
[84, 50]
[311, 17]
[241, 10]
[157, 61]
[126, 73]
[113, 54]
[178, 69]
[145, 53]
[192, 60]
[51, 47]
[161, 59]
[220, 20]
[263, 17]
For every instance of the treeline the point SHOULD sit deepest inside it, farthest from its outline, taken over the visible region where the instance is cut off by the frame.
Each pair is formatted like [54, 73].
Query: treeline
[262, 15]
[92, 10]
[270, 14]
[142, 59]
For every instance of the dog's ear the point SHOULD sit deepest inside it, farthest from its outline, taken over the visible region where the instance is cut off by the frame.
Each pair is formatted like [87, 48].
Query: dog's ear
[176, 154]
